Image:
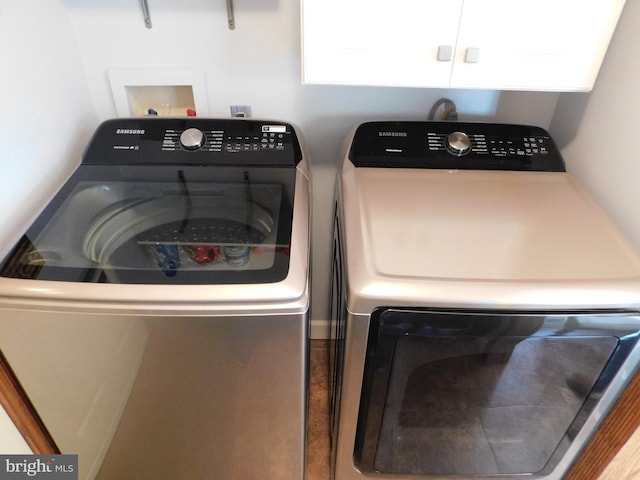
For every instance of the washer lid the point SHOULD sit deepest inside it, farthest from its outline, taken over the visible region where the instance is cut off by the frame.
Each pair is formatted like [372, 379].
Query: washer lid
[407, 224]
[162, 225]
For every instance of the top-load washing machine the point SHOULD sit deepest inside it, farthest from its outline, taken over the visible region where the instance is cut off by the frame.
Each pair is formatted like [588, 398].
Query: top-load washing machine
[485, 310]
[156, 312]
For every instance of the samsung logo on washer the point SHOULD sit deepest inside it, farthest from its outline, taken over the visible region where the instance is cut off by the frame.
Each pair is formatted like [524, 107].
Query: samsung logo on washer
[129, 131]
[392, 134]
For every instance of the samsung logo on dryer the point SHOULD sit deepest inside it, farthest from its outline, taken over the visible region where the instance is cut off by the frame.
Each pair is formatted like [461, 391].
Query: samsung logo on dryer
[130, 131]
[392, 134]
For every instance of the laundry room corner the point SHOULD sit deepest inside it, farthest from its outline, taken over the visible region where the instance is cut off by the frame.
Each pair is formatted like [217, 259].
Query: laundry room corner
[71, 67]
[238, 67]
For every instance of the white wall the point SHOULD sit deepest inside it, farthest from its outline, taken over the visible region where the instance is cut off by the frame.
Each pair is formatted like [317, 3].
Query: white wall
[599, 132]
[46, 111]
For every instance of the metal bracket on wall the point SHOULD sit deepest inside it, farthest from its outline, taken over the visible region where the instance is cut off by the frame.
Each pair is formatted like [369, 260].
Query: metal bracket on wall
[145, 13]
[230, 15]
[147, 16]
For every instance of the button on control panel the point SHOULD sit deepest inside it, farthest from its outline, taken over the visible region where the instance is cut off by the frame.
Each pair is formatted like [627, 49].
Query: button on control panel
[192, 139]
[248, 143]
[458, 144]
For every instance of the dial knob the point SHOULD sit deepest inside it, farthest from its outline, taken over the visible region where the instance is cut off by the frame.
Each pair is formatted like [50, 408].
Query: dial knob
[192, 139]
[458, 143]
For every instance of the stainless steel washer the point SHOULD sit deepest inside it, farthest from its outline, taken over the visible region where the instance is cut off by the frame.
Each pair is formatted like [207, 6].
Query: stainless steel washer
[156, 312]
[485, 310]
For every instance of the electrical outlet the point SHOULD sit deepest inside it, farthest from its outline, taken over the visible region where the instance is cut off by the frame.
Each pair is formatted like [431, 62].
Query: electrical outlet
[240, 110]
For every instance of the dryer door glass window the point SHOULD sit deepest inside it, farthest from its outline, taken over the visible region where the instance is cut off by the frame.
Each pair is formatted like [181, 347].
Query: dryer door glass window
[183, 225]
[483, 394]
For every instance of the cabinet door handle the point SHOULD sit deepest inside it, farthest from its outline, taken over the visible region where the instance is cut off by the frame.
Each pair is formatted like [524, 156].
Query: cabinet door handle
[472, 55]
[445, 53]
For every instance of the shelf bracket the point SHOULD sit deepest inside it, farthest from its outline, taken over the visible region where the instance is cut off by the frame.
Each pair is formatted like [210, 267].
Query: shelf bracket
[145, 13]
[230, 15]
[231, 19]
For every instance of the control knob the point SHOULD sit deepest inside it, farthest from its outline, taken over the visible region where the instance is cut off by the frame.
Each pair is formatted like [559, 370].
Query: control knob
[458, 144]
[192, 139]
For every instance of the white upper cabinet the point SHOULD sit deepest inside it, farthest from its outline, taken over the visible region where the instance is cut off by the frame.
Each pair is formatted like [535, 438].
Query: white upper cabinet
[378, 42]
[494, 44]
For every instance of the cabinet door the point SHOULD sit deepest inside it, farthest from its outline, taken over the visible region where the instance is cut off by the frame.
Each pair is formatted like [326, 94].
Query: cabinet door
[379, 42]
[533, 45]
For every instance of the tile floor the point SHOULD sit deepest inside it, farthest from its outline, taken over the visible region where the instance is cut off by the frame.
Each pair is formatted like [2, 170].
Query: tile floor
[318, 423]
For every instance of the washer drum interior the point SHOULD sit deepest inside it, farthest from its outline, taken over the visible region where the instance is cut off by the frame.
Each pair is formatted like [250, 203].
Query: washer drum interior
[174, 227]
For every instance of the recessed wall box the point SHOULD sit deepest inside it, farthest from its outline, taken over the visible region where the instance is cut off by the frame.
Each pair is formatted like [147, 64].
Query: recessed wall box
[165, 92]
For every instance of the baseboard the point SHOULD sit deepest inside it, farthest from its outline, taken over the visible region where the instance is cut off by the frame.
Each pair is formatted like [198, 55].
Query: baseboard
[319, 329]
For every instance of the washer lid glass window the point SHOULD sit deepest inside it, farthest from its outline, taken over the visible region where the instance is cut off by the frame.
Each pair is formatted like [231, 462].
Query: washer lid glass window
[162, 225]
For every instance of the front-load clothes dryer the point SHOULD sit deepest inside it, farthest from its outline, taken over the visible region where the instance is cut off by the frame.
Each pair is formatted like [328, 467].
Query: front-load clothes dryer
[485, 310]
[156, 312]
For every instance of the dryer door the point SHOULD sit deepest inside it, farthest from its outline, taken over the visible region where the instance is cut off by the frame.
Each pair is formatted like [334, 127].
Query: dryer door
[481, 393]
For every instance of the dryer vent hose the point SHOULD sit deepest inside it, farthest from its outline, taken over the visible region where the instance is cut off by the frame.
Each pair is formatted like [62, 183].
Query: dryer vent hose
[443, 109]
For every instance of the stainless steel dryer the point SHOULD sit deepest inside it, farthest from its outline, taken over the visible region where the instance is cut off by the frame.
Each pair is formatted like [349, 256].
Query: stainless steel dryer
[156, 312]
[485, 310]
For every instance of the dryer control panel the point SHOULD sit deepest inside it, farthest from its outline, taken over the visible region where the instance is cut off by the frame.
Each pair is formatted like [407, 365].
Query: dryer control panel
[201, 141]
[455, 145]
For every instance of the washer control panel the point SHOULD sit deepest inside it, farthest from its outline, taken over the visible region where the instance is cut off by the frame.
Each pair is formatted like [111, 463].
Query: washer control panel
[272, 137]
[152, 140]
[455, 145]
